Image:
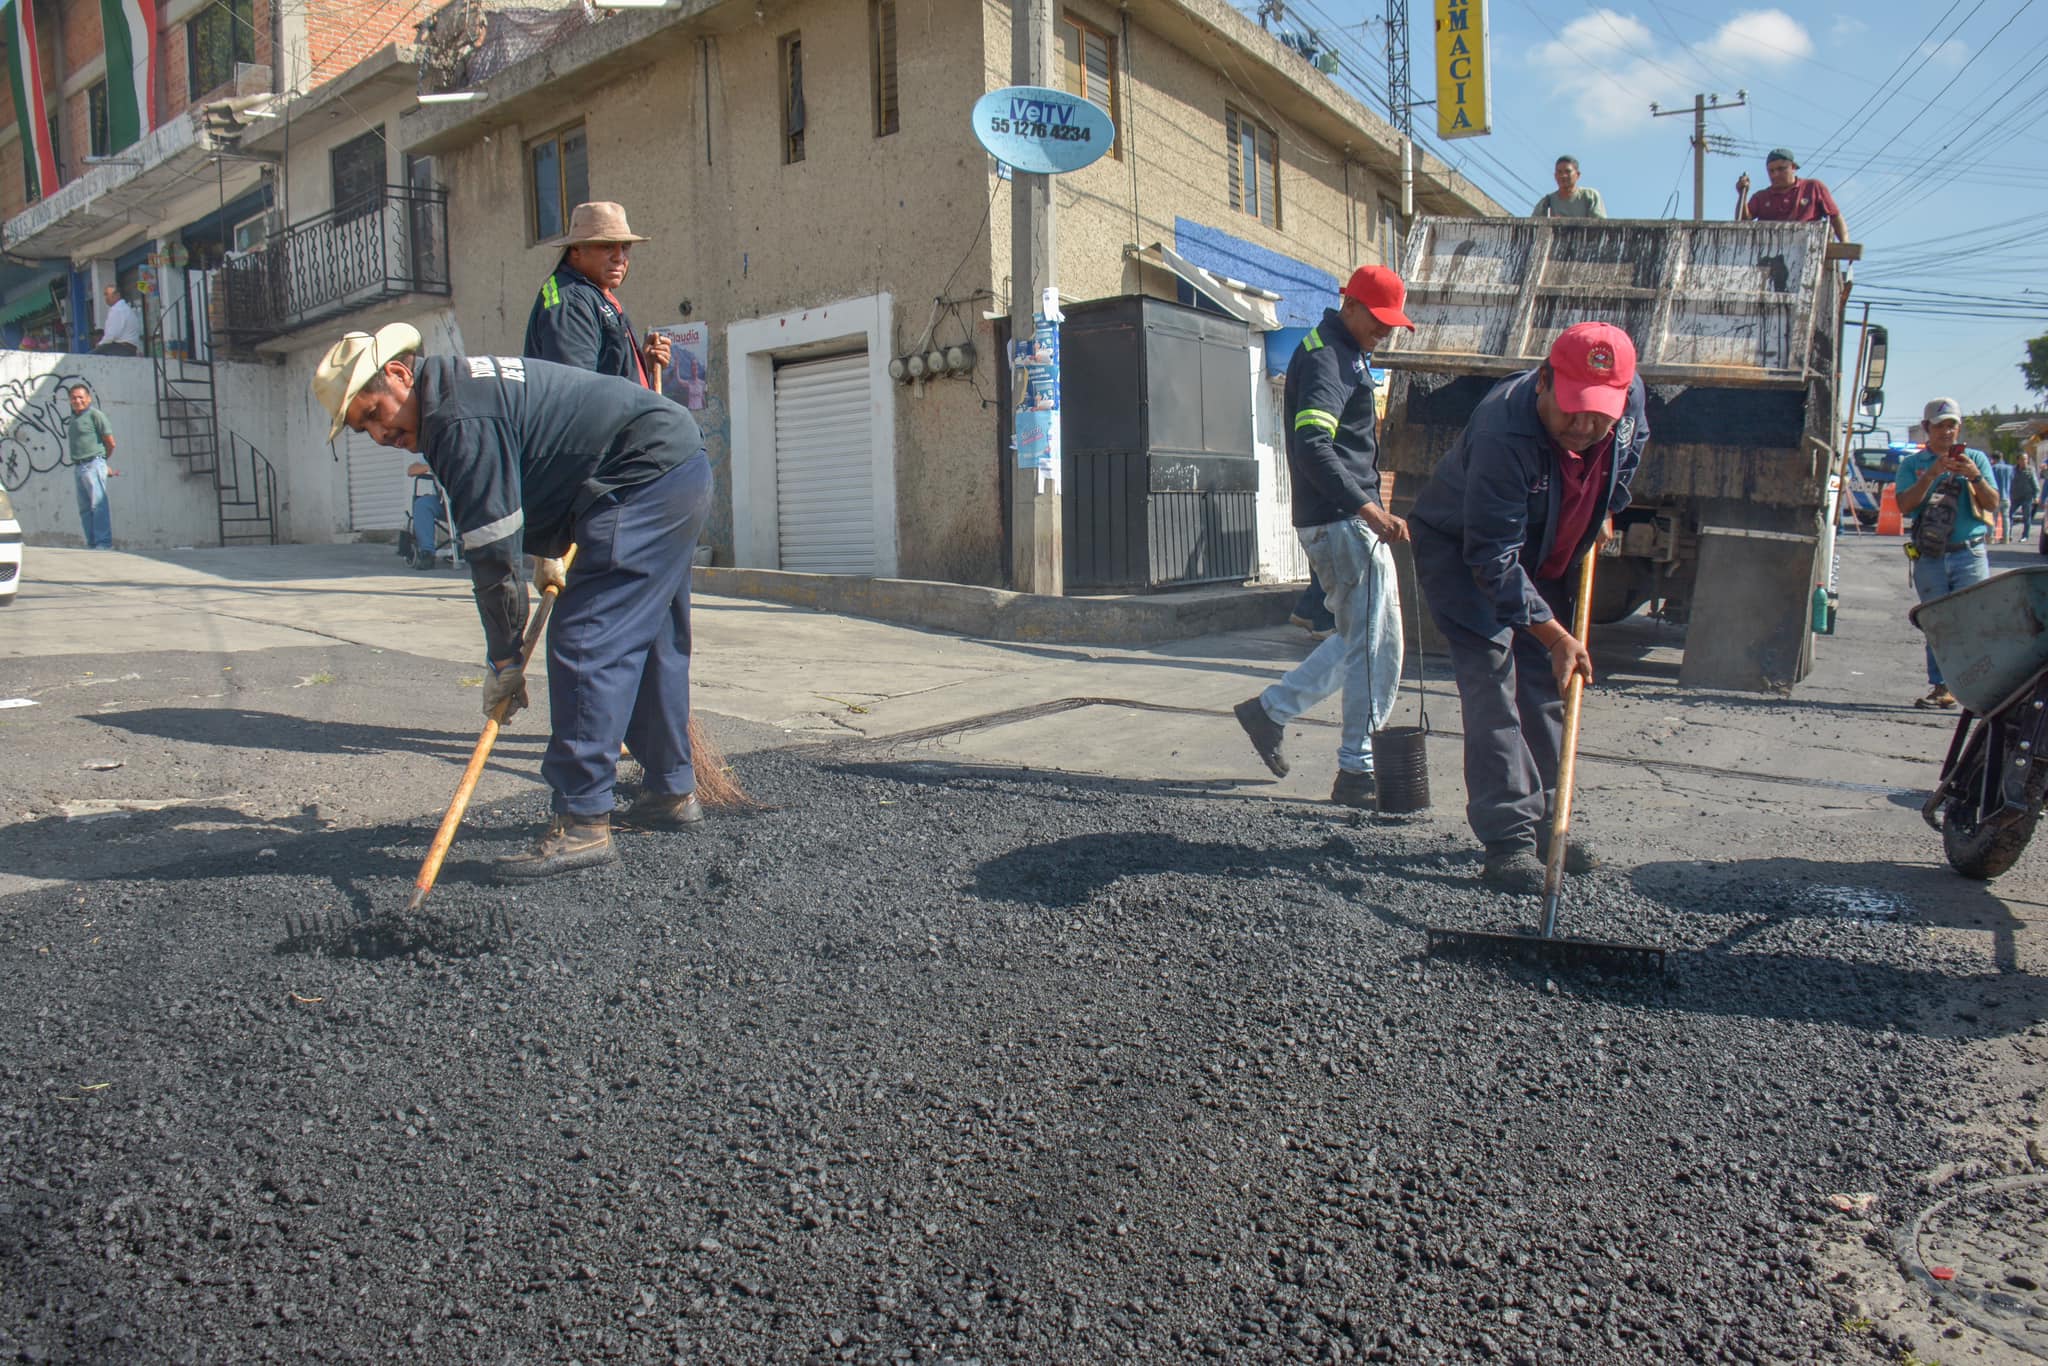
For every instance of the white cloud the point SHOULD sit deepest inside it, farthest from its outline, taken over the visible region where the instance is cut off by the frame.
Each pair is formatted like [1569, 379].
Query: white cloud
[1950, 54]
[1770, 36]
[1847, 26]
[1636, 68]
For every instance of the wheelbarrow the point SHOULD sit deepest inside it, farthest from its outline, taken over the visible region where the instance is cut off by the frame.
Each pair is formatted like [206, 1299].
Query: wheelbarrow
[1991, 642]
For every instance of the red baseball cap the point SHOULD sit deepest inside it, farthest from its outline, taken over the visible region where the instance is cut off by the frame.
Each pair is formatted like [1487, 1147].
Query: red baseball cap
[1382, 293]
[1591, 366]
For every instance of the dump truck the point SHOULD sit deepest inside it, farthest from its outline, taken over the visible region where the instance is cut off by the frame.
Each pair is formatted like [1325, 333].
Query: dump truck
[1738, 333]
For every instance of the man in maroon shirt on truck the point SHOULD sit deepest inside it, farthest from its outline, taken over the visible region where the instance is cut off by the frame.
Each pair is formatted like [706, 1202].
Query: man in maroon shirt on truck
[1788, 199]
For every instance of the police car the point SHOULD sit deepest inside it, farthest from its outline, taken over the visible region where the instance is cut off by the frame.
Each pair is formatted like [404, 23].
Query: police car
[10, 552]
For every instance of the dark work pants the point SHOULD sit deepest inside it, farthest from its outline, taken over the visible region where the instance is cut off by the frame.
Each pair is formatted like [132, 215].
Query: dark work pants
[619, 642]
[1514, 726]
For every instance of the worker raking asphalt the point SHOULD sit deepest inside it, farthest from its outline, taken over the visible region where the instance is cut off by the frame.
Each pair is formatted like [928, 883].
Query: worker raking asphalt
[945, 1064]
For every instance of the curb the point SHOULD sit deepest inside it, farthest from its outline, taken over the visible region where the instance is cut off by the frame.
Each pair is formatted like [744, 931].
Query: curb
[996, 614]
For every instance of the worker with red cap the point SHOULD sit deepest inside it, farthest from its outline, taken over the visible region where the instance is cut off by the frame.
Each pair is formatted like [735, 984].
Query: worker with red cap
[1530, 486]
[1333, 467]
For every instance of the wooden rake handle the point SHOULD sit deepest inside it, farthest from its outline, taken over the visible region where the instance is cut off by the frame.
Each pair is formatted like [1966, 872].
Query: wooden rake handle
[1568, 755]
[444, 838]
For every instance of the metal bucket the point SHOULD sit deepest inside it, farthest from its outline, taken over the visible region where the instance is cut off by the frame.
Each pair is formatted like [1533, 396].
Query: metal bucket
[1402, 768]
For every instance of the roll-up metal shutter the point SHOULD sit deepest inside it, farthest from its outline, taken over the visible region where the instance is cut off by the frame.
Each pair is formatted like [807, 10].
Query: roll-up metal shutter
[379, 493]
[824, 466]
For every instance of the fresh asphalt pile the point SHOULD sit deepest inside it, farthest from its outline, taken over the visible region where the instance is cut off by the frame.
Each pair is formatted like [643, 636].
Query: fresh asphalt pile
[932, 1063]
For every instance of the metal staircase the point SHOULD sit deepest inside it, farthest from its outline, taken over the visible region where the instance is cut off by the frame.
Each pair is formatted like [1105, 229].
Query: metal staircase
[188, 421]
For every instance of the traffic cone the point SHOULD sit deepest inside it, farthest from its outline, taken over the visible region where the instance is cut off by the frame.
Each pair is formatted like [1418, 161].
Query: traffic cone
[1889, 523]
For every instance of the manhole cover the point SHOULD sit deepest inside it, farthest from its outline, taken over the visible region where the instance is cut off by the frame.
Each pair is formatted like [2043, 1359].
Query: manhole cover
[1861, 903]
[1984, 1252]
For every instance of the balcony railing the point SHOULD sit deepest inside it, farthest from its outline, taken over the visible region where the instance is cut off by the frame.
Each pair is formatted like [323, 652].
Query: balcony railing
[379, 248]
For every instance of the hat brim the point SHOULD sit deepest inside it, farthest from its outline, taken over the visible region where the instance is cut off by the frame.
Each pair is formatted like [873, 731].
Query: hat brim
[365, 365]
[1392, 317]
[1574, 396]
[565, 242]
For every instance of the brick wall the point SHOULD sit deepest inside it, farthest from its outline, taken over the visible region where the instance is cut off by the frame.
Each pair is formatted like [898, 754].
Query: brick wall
[83, 36]
[341, 33]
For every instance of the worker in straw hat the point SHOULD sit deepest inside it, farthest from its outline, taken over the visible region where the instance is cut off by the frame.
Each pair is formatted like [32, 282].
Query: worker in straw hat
[577, 318]
[536, 457]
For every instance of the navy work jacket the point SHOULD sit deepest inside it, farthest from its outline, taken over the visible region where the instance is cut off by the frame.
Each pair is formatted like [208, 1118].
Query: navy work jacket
[1488, 516]
[1332, 450]
[524, 448]
[573, 323]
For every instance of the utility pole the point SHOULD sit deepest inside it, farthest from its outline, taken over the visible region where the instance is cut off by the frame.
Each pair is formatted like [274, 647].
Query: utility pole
[1037, 557]
[1401, 99]
[1700, 105]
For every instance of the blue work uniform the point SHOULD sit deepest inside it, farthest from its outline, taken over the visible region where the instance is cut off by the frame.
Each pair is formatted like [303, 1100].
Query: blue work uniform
[575, 323]
[1333, 469]
[1487, 519]
[537, 457]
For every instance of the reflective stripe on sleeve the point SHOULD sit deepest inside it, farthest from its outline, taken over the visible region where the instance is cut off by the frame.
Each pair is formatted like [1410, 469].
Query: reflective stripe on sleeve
[494, 531]
[1312, 342]
[551, 294]
[1316, 417]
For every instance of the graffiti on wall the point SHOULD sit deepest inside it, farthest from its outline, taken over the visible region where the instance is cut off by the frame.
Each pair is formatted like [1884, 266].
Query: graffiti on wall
[32, 417]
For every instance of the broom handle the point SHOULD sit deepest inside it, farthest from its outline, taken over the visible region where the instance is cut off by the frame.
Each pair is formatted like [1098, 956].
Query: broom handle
[444, 838]
[1568, 758]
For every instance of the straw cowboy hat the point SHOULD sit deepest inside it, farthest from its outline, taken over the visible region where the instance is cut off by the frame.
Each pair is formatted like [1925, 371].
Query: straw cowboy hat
[602, 221]
[350, 362]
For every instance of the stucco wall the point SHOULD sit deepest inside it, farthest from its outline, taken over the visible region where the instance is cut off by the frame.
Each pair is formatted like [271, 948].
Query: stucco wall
[155, 503]
[746, 236]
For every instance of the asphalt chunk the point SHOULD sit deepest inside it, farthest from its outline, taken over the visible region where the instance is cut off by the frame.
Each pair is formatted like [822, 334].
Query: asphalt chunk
[925, 1063]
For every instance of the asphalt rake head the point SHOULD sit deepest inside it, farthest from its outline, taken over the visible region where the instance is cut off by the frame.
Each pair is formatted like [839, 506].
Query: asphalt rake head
[1555, 950]
[347, 932]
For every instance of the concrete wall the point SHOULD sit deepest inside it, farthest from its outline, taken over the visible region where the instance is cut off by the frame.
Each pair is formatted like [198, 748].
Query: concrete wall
[156, 504]
[741, 236]
[1170, 119]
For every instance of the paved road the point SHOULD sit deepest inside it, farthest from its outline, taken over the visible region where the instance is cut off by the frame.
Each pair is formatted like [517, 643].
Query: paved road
[236, 701]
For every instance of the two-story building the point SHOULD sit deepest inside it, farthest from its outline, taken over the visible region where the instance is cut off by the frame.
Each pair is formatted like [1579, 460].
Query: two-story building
[819, 208]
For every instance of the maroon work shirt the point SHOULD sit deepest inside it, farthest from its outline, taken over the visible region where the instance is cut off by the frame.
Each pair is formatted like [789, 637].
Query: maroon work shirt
[1581, 495]
[1803, 201]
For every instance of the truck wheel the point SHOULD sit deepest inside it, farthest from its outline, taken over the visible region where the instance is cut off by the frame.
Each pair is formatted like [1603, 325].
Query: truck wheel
[1984, 851]
[1619, 588]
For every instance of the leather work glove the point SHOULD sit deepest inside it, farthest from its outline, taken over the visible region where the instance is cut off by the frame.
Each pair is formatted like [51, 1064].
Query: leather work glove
[549, 574]
[507, 685]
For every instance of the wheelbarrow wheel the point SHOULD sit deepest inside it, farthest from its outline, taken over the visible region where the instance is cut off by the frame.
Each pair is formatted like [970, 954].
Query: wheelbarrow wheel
[1983, 851]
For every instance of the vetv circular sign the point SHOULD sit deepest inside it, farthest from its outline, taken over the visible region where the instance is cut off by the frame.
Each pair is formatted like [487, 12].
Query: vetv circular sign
[1041, 131]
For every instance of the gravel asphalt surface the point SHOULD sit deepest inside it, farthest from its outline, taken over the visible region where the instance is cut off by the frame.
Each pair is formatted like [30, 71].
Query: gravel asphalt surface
[938, 1063]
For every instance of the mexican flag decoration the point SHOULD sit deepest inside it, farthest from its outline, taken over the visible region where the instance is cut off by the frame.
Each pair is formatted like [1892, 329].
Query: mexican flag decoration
[25, 74]
[131, 69]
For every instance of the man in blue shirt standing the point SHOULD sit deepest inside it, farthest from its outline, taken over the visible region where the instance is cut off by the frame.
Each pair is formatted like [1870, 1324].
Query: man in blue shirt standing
[1333, 467]
[1946, 472]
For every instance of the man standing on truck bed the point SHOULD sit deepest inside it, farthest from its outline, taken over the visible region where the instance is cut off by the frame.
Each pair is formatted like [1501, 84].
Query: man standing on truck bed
[1333, 465]
[1788, 198]
[1529, 487]
[1570, 199]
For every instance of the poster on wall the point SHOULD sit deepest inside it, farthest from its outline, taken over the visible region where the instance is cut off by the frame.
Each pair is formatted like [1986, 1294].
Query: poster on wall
[687, 378]
[1036, 425]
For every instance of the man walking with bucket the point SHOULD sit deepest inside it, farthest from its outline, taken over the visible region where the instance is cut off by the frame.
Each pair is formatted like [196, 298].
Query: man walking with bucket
[1333, 465]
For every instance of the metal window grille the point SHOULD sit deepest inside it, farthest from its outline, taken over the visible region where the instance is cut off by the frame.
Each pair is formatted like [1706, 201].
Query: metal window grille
[1088, 66]
[882, 42]
[100, 135]
[792, 99]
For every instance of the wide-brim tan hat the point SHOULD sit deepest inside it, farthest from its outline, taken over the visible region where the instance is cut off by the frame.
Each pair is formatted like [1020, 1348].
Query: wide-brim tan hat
[350, 362]
[600, 221]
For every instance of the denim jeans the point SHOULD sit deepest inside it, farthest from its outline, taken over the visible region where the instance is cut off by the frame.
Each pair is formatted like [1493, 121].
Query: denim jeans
[1312, 606]
[95, 513]
[1937, 578]
[1364, 657]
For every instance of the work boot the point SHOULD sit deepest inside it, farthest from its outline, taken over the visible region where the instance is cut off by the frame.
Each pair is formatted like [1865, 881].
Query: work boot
[1355, 789]
[666, 811]
[1577, 857]
[1940, 697]
[1513, 870]
[1266, 734]
[571, 842]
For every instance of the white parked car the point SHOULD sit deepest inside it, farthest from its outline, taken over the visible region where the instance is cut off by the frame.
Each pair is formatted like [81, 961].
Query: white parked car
[10, 552]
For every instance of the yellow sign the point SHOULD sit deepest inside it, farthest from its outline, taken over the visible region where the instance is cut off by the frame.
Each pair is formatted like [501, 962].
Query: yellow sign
[1464, 81]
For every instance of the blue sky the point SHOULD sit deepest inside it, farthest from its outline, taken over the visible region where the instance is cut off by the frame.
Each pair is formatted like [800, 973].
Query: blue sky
[1925, 119]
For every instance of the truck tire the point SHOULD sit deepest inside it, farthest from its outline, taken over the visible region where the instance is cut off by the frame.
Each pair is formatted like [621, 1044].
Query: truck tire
[1984, 851]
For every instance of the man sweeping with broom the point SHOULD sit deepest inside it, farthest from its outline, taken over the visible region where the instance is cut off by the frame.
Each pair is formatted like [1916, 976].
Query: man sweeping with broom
[1523, 495]
[538, 457]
